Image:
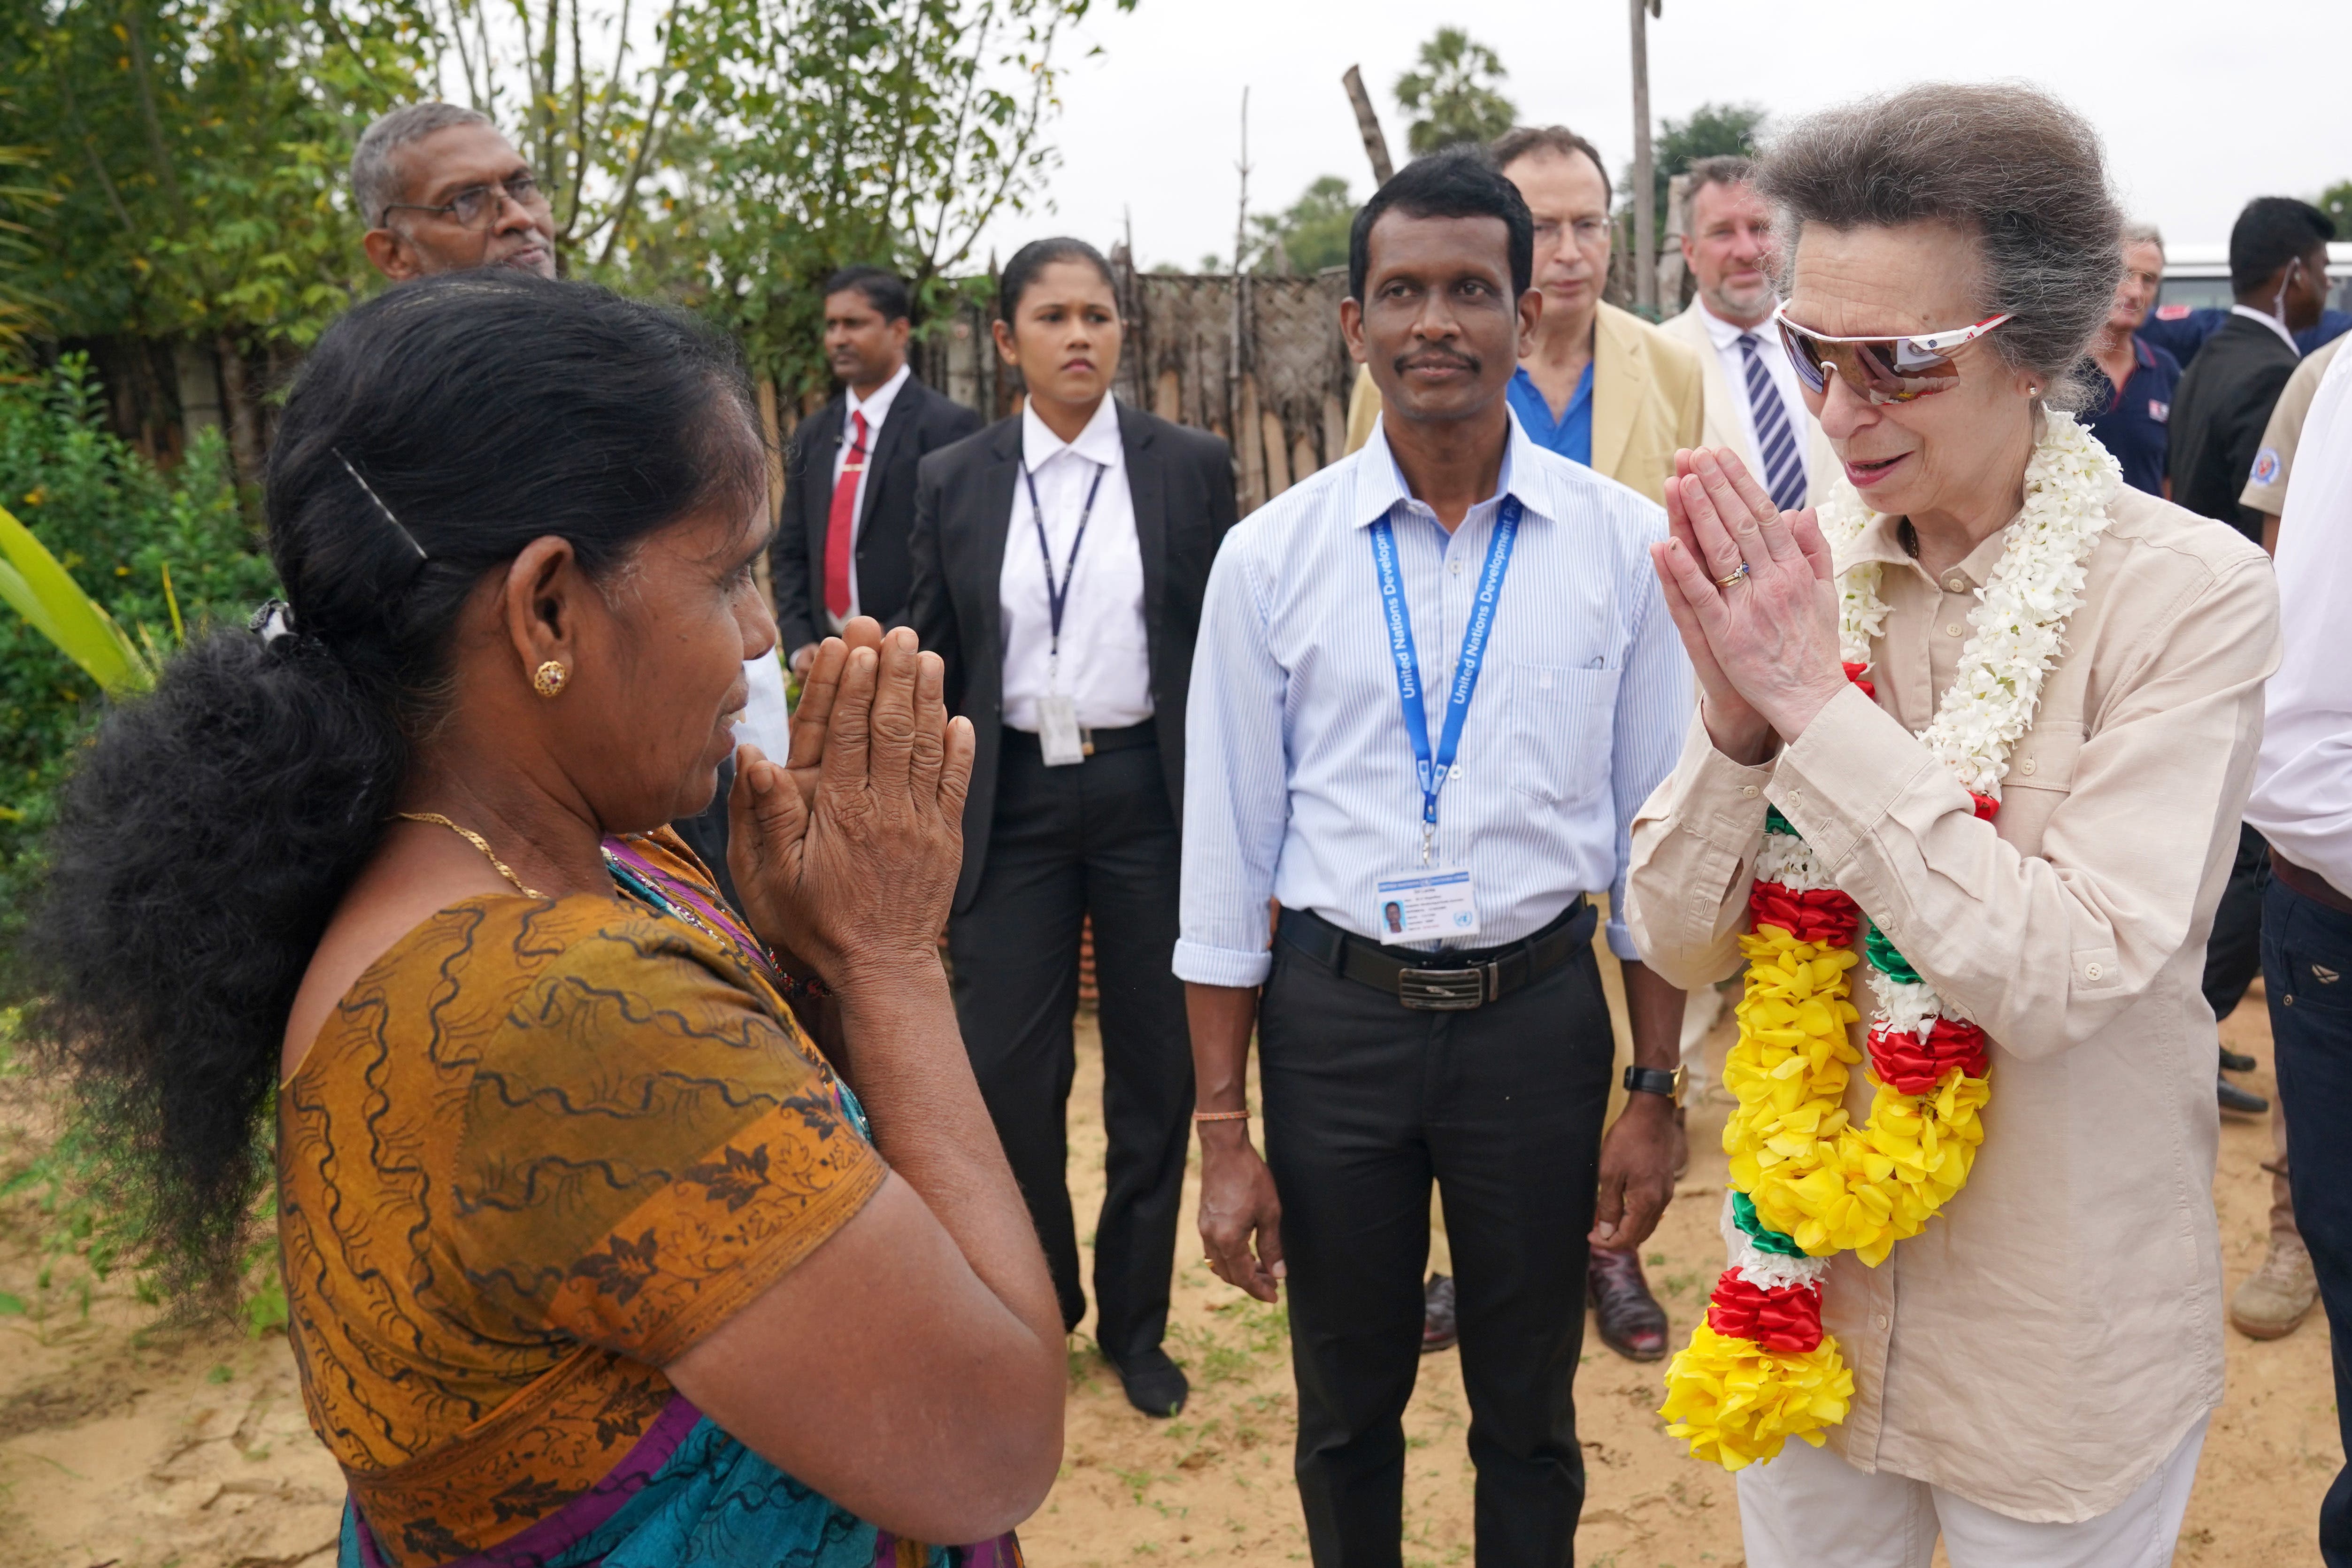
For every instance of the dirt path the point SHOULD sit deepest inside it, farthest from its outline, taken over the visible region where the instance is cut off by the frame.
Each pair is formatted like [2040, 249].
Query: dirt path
[123, 1444]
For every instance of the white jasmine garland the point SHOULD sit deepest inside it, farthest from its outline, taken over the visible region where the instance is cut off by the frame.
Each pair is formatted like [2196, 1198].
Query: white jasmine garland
[2016, 634]
[1791, 862]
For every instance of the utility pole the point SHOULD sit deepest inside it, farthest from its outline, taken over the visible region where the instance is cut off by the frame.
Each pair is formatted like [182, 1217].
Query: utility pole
[1645, 182]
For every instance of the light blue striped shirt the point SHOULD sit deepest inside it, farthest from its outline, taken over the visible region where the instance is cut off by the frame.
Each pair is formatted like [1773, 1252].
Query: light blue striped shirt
[1299, 781]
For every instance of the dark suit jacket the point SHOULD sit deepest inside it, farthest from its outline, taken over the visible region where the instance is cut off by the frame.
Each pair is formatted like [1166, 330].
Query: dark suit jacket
[1182, 482]
[920, 421]
[2218, 410]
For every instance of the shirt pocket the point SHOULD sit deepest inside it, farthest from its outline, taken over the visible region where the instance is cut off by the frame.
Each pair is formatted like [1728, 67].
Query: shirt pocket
[1562, 719]
[2040, 775]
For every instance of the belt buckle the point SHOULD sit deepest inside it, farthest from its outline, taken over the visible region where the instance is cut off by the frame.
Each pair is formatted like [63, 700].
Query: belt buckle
[1442, 990]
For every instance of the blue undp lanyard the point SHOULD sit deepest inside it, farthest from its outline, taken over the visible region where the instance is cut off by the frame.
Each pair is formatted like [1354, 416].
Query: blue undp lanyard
[1433, 770]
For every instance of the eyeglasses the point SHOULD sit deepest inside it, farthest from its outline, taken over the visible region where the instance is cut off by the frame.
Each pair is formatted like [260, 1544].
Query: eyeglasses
[477, 206]
[1880, 370]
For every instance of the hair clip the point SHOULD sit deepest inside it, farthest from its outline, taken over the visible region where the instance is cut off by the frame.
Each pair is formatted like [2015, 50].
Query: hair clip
[275, 620]
[406, 537]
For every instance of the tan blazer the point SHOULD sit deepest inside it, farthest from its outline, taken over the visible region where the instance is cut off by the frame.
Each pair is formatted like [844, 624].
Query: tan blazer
[1648, 399]
[1724, 426]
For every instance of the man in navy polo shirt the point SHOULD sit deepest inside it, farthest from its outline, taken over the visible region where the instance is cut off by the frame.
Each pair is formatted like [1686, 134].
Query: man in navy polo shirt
[2129, 414]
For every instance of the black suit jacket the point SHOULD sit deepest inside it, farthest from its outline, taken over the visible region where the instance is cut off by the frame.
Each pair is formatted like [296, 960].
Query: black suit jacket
[920, 421]
[1182, 482]
[2218, 411]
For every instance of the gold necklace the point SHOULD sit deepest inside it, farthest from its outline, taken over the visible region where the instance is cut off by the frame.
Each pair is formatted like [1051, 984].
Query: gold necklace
[475, 839]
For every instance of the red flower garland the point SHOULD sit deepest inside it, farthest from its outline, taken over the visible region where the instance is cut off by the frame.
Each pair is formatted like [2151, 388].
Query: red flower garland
[1824, 915]
[1785, 1318]
[1909, 1065]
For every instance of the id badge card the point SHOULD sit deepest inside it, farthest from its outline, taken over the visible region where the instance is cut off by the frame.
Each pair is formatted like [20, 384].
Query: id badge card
[1425, 906]
[1059, 735]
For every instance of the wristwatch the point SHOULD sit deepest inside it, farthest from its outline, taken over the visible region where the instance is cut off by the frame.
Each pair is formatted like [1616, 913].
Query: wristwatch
[1656, 1081]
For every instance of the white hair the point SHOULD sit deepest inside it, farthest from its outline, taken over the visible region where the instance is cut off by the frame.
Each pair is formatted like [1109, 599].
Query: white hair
[373, 184]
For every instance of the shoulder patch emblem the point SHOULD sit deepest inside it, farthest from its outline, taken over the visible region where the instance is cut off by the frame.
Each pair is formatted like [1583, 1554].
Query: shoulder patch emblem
[2266, 466]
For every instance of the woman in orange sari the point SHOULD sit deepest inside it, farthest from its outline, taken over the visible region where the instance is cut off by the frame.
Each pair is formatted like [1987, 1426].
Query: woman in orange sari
[593, 1256]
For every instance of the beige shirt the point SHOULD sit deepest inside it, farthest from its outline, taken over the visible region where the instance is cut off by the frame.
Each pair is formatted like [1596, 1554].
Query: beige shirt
[2049, 1340]
[2275, 460]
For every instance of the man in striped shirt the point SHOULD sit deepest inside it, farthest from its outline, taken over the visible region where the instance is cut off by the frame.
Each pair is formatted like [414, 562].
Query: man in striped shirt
[1436, 675]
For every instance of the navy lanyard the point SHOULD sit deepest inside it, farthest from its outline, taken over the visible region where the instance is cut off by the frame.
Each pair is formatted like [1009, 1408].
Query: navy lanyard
[1433, 770]
[1057, 597]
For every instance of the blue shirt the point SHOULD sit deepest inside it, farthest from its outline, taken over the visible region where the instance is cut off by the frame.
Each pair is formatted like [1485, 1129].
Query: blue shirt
[1571, 435]
[2134, 422]
[1299, 776]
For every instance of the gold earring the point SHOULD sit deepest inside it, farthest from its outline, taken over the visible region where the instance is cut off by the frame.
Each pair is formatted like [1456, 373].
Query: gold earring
[549, 678]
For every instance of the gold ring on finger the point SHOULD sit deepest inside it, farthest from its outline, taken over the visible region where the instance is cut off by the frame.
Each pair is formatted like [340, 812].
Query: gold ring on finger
[1728, 578]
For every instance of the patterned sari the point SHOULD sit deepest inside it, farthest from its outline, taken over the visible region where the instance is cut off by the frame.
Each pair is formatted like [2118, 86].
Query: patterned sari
[541, 1147]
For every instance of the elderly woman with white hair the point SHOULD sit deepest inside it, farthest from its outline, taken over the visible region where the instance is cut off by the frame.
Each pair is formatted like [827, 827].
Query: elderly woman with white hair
[1963, 790]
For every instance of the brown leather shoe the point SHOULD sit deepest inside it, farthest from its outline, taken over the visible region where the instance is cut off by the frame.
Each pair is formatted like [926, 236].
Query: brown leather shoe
[1439, 1326]
[1632, 1322]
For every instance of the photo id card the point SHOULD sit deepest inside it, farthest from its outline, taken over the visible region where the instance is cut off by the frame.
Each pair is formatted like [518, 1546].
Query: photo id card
[1059, 735]
[1425, 906]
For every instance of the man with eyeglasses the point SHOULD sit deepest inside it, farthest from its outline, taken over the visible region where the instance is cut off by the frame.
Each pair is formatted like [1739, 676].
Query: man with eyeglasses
[442, 190]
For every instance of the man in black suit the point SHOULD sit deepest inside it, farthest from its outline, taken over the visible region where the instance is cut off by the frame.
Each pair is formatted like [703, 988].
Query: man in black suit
[1060, 557]
[849, 482]
[2278, 270]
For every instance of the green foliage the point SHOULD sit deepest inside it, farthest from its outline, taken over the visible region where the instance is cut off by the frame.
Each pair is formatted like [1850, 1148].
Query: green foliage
[118, 525]
[1456, 95]
[2335, 200]
[196, 149]
[1311, 234]
[1713, 130]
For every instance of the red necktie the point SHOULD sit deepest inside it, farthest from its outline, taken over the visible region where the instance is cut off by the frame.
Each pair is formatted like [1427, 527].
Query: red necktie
[840, 527]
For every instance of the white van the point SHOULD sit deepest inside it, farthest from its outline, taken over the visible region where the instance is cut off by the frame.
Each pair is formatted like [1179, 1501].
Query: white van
[2198, 276]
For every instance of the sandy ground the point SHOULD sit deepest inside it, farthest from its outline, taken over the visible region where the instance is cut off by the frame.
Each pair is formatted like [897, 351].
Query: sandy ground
[127, 1444]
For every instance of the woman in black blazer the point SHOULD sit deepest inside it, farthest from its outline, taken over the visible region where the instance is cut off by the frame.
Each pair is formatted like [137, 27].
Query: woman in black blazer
[1059, 559]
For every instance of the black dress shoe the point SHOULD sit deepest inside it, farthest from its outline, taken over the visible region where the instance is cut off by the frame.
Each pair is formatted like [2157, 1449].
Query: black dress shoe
[2243, 1101]
[2236, 1061]
[1439, 1327]
[1632, 1322]
[1154, 1385]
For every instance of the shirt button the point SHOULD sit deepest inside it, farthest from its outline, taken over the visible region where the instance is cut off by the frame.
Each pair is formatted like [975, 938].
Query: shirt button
[1747, 790]
[1455, 568]
[1955, 629]
[1880, 1321]
[1955, 585]
[2093, 971]
[2026, 766]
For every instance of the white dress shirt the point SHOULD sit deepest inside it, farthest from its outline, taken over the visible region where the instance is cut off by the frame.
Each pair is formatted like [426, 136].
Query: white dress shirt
[1106, 663]
[1724, 336]
[2273, 322]
[2302, 786]
[1300, 778]
[875, 408]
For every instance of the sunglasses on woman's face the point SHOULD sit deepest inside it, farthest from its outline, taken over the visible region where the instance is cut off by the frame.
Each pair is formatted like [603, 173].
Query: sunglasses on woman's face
[1879, 370]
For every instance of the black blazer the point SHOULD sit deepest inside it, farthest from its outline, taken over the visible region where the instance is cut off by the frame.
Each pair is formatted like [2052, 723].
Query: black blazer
[920, 421]
[1182, 482]
[2219, 413]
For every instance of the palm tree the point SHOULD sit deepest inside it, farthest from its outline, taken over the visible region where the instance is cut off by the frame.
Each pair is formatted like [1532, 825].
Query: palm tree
[1455, 96]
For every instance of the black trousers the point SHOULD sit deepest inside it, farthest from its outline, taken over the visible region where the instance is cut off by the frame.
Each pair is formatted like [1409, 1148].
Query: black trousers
[2233, 954]
[1098, 838]
[1366, 1103]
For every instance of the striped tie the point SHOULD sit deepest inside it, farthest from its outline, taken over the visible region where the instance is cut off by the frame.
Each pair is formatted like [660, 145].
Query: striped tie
[1784, 469]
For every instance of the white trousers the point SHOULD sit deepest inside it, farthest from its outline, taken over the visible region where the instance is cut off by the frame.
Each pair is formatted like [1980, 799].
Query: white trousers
[1809, 1509]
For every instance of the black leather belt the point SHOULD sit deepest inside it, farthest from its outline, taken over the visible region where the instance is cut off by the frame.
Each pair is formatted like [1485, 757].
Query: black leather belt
[1444, 982]
[2309, 883]
[1125, 739]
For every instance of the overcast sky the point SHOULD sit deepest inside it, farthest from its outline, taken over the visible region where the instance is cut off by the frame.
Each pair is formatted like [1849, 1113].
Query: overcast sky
[2202, 105]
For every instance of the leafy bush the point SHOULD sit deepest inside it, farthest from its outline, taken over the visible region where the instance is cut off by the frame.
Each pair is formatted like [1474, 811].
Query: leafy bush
[123, 528]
